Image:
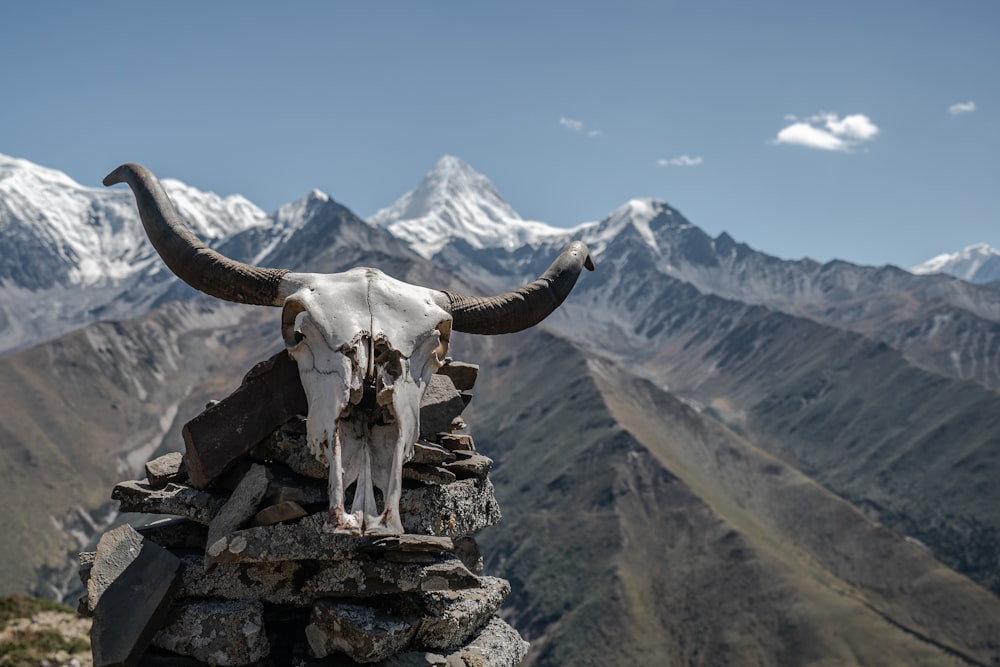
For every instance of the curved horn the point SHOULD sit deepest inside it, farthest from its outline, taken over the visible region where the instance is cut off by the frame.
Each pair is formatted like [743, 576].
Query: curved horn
[191, 260]
[526, 306]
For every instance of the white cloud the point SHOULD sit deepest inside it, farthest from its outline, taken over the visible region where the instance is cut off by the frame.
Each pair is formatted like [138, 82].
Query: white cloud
[828, 132]
[961, 108]
[804, 134]
[575, 125]
[572, 124]
[680, 161]
[857, 127]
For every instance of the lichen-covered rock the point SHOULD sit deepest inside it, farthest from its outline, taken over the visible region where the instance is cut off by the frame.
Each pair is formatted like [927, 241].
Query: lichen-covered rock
[219, 632]
[175, 499]
[450, 617]
[469, 464]
[496, 645]
[379, 628]
[288, 445]
[425, 451]
[429, 474]
[363, 632]
[461, 508]
[301, 583]
[308, 540]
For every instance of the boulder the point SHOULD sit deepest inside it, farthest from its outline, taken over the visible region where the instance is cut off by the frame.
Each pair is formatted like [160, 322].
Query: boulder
[241, 506]
[219, 632]
[165, 469]
[363, 632]
[132, 585]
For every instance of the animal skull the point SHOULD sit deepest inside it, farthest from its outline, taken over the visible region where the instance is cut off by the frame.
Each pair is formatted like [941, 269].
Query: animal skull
[366, 345]
[364, 369]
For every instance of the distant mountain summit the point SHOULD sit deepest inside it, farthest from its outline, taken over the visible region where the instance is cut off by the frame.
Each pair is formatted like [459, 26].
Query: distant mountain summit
[73, 254]
[58, 232]
[977, 264]
[454, 201]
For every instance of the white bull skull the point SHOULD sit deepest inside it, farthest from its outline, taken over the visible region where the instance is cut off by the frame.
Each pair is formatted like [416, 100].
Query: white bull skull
[365, 344]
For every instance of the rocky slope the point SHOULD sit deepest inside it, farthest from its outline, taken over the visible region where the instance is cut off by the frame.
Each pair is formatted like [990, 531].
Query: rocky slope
[695, 545]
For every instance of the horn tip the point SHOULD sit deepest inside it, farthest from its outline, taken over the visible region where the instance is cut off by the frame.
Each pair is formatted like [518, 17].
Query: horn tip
[581, 248]
[124, 173]
[116, 176]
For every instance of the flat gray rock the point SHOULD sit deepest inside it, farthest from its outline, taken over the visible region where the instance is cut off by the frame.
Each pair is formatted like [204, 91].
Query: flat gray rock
[429, 474]
[240, 507]
[363, 632]
[469, 464]
[132, 586]
[288, 510]
[308, 540]
[425, 451]
[300, 583]
[441, 404]
[457, 442]
[219, 632]
[176, 533]
[450, 618]
[175, 499]
[289, 446]
[165, 469]
[462, 375]
[496, 645]
[377, 629]
[458, 509]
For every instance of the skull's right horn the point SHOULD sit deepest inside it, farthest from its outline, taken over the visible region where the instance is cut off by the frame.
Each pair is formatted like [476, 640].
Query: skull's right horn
[526, 306]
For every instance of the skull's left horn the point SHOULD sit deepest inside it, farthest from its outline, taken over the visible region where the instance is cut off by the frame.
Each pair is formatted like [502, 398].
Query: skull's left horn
[526, 306]
[191, 260]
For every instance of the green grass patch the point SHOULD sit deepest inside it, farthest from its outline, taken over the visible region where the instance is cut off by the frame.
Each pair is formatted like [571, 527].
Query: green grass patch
[28, 647]
[17, 606]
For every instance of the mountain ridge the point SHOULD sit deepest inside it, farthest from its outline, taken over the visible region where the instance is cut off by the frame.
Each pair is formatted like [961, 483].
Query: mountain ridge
[977, 263]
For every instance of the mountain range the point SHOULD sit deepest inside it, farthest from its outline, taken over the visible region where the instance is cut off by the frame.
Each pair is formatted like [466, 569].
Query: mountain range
[977, 263]
[748, 460]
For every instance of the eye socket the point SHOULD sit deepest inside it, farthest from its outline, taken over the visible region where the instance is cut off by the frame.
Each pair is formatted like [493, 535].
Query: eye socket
[291, 316]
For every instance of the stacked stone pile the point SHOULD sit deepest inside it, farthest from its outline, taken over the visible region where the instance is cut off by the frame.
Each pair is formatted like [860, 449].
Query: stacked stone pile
[243, 572]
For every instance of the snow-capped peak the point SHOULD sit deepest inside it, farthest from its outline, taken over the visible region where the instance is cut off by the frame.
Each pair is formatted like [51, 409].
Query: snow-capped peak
[635, 213]
[96, 232]
[455, 201]
[977, 263]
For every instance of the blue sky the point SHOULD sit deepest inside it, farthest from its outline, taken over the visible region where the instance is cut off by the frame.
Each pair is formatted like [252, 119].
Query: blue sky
[866, 131]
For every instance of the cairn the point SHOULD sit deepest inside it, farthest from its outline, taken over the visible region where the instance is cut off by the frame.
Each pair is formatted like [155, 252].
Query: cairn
[243, 572]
